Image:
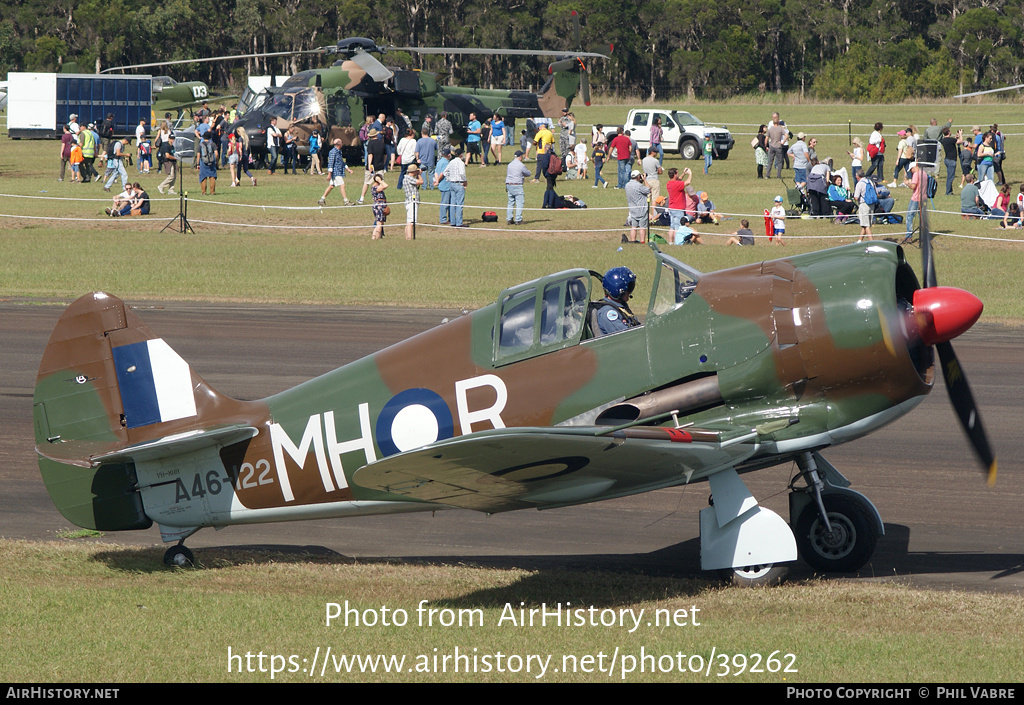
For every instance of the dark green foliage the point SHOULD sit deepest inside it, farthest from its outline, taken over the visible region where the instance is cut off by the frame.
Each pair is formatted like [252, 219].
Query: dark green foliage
[878, 50]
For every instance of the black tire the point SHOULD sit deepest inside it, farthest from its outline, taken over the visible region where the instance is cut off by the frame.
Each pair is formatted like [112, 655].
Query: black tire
[179, 557]
[723, 154]
[851, 542]
[755, 575]
[688, 149]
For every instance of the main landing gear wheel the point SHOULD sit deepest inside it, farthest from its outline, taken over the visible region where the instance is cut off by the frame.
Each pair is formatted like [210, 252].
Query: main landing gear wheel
[755, 575]
[179, 556]
[847, 547]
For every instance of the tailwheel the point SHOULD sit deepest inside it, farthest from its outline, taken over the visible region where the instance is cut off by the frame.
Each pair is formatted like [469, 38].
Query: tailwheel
[849, 544]
[178, 556]
[755, 575]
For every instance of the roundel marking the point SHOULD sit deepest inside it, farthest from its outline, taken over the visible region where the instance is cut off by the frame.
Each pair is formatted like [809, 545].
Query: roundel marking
[412, 419]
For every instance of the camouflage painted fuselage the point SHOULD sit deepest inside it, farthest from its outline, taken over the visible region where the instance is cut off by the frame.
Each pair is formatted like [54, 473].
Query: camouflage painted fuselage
[514, 405]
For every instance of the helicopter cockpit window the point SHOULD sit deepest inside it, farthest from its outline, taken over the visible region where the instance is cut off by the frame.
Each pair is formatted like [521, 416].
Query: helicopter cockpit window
[279, 105]
[675, 282]
[308, 103]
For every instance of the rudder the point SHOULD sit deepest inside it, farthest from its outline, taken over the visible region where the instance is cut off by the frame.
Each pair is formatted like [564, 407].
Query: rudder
[107, 383]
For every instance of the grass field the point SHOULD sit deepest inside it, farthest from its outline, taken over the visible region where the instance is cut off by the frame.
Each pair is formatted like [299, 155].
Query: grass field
[103, 613]
[271, 243]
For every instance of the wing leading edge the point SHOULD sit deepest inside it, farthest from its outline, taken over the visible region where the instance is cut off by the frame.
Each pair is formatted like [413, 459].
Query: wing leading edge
[518, 468]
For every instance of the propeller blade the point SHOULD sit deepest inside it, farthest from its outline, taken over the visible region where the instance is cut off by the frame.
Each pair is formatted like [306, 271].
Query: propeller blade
[378, 71]
[942, 314]
[966, 410]
[927, 261]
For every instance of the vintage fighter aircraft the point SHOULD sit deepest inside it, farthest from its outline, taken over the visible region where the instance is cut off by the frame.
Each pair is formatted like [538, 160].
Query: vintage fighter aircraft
[521, 405]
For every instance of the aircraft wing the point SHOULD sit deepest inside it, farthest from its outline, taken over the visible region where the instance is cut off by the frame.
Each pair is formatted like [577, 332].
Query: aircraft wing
[517, 468]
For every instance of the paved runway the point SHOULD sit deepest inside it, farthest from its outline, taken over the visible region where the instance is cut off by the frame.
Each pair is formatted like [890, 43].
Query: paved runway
[944, 527]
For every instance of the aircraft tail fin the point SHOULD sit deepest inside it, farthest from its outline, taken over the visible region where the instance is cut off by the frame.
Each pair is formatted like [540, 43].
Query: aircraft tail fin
[558, 92]
[107, 382]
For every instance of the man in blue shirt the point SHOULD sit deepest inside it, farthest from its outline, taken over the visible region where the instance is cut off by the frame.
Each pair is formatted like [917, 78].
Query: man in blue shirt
[426, 153]
[336, 168]
[473, 130]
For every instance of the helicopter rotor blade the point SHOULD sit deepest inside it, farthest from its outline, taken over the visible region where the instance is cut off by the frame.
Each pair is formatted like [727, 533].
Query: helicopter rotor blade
[321, 50]
[377, 71]
[503, 52]
[994, 90]
[562, 65]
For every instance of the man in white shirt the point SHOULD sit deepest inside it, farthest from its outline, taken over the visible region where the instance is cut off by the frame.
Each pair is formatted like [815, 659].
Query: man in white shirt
[455, 175]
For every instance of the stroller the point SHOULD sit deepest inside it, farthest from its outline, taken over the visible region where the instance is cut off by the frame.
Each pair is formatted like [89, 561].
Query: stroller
[798, 204]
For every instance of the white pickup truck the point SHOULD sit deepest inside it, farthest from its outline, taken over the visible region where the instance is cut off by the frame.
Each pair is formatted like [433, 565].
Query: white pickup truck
[681, 132]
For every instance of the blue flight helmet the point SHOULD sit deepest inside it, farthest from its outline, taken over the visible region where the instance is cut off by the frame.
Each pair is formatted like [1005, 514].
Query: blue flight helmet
[619, 282]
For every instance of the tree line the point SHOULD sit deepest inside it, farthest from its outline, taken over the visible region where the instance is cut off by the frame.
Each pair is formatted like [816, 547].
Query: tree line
[869, 50]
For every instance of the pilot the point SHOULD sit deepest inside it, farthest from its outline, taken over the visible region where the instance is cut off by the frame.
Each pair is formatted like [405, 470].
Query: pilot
[613, 313]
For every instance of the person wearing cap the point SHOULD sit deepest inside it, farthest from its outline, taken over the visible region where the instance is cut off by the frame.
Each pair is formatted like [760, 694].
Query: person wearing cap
[545, 140]
[567, 134]
[778, 216]
[442, 185]
[115, 164]
[66, 141]
[474, 130]
[652, 174]
[411, 187]
[706, 209]
[638, 199]
[515, 176]
[801, 161]
[864, 209]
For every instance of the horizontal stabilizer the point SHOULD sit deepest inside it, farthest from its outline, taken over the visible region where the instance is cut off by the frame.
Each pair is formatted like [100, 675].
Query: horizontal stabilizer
[87, 454]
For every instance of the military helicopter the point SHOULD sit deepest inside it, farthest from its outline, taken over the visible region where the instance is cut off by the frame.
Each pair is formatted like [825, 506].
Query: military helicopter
[336, 99]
